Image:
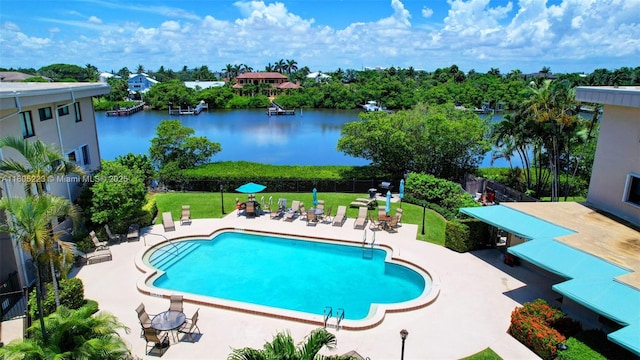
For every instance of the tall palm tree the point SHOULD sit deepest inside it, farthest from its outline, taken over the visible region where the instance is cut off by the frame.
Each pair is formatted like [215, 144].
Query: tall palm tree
[29, 220]
[74, 334]
[291, 66]
[269, 68]
[43, 163]
[280, 66]
[283, 348]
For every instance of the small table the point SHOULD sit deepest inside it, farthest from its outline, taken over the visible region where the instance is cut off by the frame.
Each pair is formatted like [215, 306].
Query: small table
[169, 320]
[384, 220]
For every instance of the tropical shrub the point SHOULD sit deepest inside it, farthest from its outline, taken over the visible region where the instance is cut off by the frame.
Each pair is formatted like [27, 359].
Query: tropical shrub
[531, 324]
[71, 296]
[447, 196]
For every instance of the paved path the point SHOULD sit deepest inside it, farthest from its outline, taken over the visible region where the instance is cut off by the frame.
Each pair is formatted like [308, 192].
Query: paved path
[472, 312]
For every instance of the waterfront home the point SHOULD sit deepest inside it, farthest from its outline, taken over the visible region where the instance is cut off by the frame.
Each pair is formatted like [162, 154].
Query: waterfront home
[275, 82]
[140, 82]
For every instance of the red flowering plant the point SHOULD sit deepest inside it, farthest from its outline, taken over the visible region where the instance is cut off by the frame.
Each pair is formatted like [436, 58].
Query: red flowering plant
[531, 325]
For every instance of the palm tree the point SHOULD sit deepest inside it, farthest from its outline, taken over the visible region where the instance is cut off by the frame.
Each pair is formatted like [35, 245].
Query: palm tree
[43, 163]
[29, 221]
[228, 71]
[282, 347]
[280, 66]
[269, 68]
[140, 69]
[75, 334]
[291, 65]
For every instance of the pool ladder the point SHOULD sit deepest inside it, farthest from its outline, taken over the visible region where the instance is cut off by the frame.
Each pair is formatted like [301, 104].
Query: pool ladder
[367, 251]
[328, 313]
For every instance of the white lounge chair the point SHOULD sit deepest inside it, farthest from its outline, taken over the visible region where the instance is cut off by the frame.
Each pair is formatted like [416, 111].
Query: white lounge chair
[167, 222]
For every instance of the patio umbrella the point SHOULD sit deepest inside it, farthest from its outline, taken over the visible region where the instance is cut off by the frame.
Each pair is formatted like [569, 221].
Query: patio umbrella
[315, 197]
[401, 193]
[387, 206]
[250, 188]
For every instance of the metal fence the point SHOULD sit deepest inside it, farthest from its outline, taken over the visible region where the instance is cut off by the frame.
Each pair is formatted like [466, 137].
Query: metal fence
[502, 193]
[13, 299]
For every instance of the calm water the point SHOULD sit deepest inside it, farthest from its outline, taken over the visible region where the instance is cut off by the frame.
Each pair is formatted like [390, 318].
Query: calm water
[309, 138]
[307, 275]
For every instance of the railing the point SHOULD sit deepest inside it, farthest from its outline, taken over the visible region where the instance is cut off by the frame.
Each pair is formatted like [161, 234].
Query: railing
[328, 313]
[364, 245]
[339, 317]
[174, 247]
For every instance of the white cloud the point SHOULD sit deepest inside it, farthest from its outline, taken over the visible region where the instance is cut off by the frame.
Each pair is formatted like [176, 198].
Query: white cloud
[95, 20]
[426, 12]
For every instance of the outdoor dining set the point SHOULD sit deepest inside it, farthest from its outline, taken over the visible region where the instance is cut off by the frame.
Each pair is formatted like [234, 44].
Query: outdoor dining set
[163, 329]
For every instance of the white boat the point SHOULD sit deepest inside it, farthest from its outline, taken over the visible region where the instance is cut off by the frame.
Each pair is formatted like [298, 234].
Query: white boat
[371, 106]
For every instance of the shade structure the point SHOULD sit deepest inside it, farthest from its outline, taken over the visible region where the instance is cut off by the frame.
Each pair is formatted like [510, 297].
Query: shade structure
[250, 188]
[315, 196]
[401, 191]
[387, 205]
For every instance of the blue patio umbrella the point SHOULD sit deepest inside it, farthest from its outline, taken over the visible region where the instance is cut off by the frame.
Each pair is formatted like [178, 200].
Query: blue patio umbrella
[251, 188]
[401, 191]
[387, 206]
[315, 197]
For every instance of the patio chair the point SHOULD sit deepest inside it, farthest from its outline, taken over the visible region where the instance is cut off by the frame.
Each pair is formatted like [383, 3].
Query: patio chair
[176, 303]
[320, 204]
[145, 320]
[361, 220]
[338, 220]
[100, 245]
[312, 218]
[375, 225]
[113, 237]
[134, 232]
[167, 222]
[185, 217]
[303, 211]
[392, 226]
[250, 209]
[156, 340]
[190, 326]
[382, 211]
[399, 215]
[326, 217]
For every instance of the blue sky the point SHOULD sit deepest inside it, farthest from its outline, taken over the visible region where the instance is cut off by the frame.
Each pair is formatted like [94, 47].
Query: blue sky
[565, 35]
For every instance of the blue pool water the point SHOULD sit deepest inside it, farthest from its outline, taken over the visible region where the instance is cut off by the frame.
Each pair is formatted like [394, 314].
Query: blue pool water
[285, 273]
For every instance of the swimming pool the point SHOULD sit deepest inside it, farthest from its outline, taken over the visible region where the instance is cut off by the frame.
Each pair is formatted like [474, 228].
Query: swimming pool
[292, 274]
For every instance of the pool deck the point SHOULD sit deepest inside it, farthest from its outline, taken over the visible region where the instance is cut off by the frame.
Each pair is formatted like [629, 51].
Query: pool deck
[472, 312]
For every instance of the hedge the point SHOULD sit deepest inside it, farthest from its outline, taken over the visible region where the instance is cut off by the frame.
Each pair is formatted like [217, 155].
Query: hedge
[464, 235]
[71, 295]
[532, 324]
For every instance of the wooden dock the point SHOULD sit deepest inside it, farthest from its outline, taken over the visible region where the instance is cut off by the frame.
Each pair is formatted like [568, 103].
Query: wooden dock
[126, 111]
[189, 110]
[275, 110]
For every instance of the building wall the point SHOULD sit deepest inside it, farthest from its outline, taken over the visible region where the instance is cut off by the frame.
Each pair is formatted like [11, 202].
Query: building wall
[617, 155]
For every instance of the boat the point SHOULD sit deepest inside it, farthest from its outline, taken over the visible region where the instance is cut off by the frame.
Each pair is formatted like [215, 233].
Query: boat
[371, 106]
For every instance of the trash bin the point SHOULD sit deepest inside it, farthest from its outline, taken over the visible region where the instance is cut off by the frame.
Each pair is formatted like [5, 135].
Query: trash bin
[372, 193]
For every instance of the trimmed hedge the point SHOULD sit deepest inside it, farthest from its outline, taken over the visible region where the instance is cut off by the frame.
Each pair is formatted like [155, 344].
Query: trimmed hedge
[532, 324]
[464, 235]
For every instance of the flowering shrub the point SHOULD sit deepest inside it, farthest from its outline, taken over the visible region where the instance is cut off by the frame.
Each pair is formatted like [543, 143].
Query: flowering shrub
[531, 325]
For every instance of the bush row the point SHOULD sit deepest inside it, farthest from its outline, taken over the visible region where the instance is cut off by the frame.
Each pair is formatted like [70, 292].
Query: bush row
[71, 295]
[466, 235]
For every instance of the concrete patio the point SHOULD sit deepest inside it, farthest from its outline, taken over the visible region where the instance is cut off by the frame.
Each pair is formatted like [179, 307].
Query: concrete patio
[478, 293]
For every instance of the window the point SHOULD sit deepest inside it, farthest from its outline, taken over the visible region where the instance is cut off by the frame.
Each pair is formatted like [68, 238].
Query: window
[632, 190]
[86, 160]
[72, 156]
[63, 111]
[76, 108]
[45, 113]
[27, 124]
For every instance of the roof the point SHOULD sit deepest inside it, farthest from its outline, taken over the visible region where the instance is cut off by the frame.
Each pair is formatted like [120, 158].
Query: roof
[610, 95]
[203, 84]
[288, 85]
[17, 76]
[261, 75]
[586, 248]
[23, 90]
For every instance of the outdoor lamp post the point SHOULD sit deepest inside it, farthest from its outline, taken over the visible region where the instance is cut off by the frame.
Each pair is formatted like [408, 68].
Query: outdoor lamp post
[403, 335]
[222, 197]
[424, 209]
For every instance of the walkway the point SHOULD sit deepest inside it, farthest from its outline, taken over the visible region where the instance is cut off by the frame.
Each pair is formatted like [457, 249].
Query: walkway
[472, 312]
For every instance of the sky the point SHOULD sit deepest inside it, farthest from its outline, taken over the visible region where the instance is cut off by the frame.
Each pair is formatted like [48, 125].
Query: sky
[324, 35]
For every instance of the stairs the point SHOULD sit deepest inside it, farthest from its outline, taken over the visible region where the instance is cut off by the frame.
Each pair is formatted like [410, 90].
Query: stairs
[169, 254]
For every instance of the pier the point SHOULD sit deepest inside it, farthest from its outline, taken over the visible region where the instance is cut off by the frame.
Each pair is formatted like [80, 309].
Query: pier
[276, 109]
[189, 110]
[126, 111]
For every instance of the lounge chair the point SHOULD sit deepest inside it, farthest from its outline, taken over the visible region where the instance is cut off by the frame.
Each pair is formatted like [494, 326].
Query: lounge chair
[338, 220]
[95, 256]
[190, 326]
[156, 340]
[176, 303]
[312, 218]
[360, 202]
[167, 222]
[100, 245]
[134, 232]
[185, 217]
[277, 214]
[361, 220]
[113, 237]
[293, 212]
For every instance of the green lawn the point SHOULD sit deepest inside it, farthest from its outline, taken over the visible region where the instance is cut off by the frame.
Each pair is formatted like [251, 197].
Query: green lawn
[208, 205]
[486, 354]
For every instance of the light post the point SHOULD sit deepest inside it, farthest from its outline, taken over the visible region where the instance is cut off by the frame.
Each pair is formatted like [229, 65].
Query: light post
[403, 335]
[222, 197]
[424, 209]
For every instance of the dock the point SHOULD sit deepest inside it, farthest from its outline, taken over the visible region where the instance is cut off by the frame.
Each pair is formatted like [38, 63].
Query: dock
[189, 110]
[276, 110]
[126, 111]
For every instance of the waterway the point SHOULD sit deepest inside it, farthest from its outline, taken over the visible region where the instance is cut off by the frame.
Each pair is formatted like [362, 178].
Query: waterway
[309, 137]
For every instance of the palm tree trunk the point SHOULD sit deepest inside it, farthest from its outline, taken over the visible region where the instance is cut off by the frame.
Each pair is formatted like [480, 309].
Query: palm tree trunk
[55, 281]
[39, 301]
